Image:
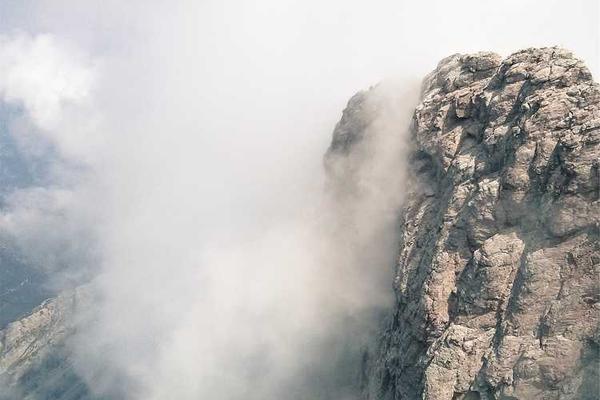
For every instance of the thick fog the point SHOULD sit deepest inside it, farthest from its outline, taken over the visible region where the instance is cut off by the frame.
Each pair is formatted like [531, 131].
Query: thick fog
[178, 151]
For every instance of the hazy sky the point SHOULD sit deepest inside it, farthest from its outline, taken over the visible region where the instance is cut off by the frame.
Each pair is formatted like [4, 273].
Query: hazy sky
[188, 139]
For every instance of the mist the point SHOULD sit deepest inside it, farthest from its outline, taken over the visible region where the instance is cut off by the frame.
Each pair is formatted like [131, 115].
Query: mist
[182, 147]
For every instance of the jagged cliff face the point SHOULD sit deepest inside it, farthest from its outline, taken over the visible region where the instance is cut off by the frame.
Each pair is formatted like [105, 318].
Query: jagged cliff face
[497, 277]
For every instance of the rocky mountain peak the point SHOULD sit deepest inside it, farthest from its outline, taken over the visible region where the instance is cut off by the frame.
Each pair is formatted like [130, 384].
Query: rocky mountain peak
[497, 276]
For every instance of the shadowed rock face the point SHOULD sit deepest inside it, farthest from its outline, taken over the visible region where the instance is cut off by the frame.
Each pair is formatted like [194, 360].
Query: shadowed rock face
[497, 277]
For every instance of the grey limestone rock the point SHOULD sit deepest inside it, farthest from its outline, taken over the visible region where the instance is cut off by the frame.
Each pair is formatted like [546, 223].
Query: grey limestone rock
[497, 280]
[35, 362]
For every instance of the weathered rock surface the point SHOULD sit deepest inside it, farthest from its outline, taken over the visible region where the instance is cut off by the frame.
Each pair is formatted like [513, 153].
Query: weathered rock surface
[35, 362]
[497, 277]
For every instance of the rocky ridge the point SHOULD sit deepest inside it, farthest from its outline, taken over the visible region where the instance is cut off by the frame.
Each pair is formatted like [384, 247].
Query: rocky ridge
[35, 362]
[497, 290]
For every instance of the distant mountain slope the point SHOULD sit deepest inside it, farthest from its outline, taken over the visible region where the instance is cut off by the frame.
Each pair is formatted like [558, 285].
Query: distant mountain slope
[35, 363]
[22, 285]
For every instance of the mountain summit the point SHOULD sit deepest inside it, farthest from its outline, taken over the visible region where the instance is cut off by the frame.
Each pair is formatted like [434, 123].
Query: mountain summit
[497, 292]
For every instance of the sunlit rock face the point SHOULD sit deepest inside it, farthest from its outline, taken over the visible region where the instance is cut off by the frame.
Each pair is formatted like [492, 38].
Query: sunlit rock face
[35, 361]
[497, 277]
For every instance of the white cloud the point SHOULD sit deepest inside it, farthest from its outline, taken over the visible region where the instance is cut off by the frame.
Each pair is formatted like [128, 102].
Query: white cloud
[51, 232]
[52, 83]
[36, 72]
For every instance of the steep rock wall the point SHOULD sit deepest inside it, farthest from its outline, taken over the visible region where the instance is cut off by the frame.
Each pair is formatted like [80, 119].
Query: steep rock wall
[497, 277]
